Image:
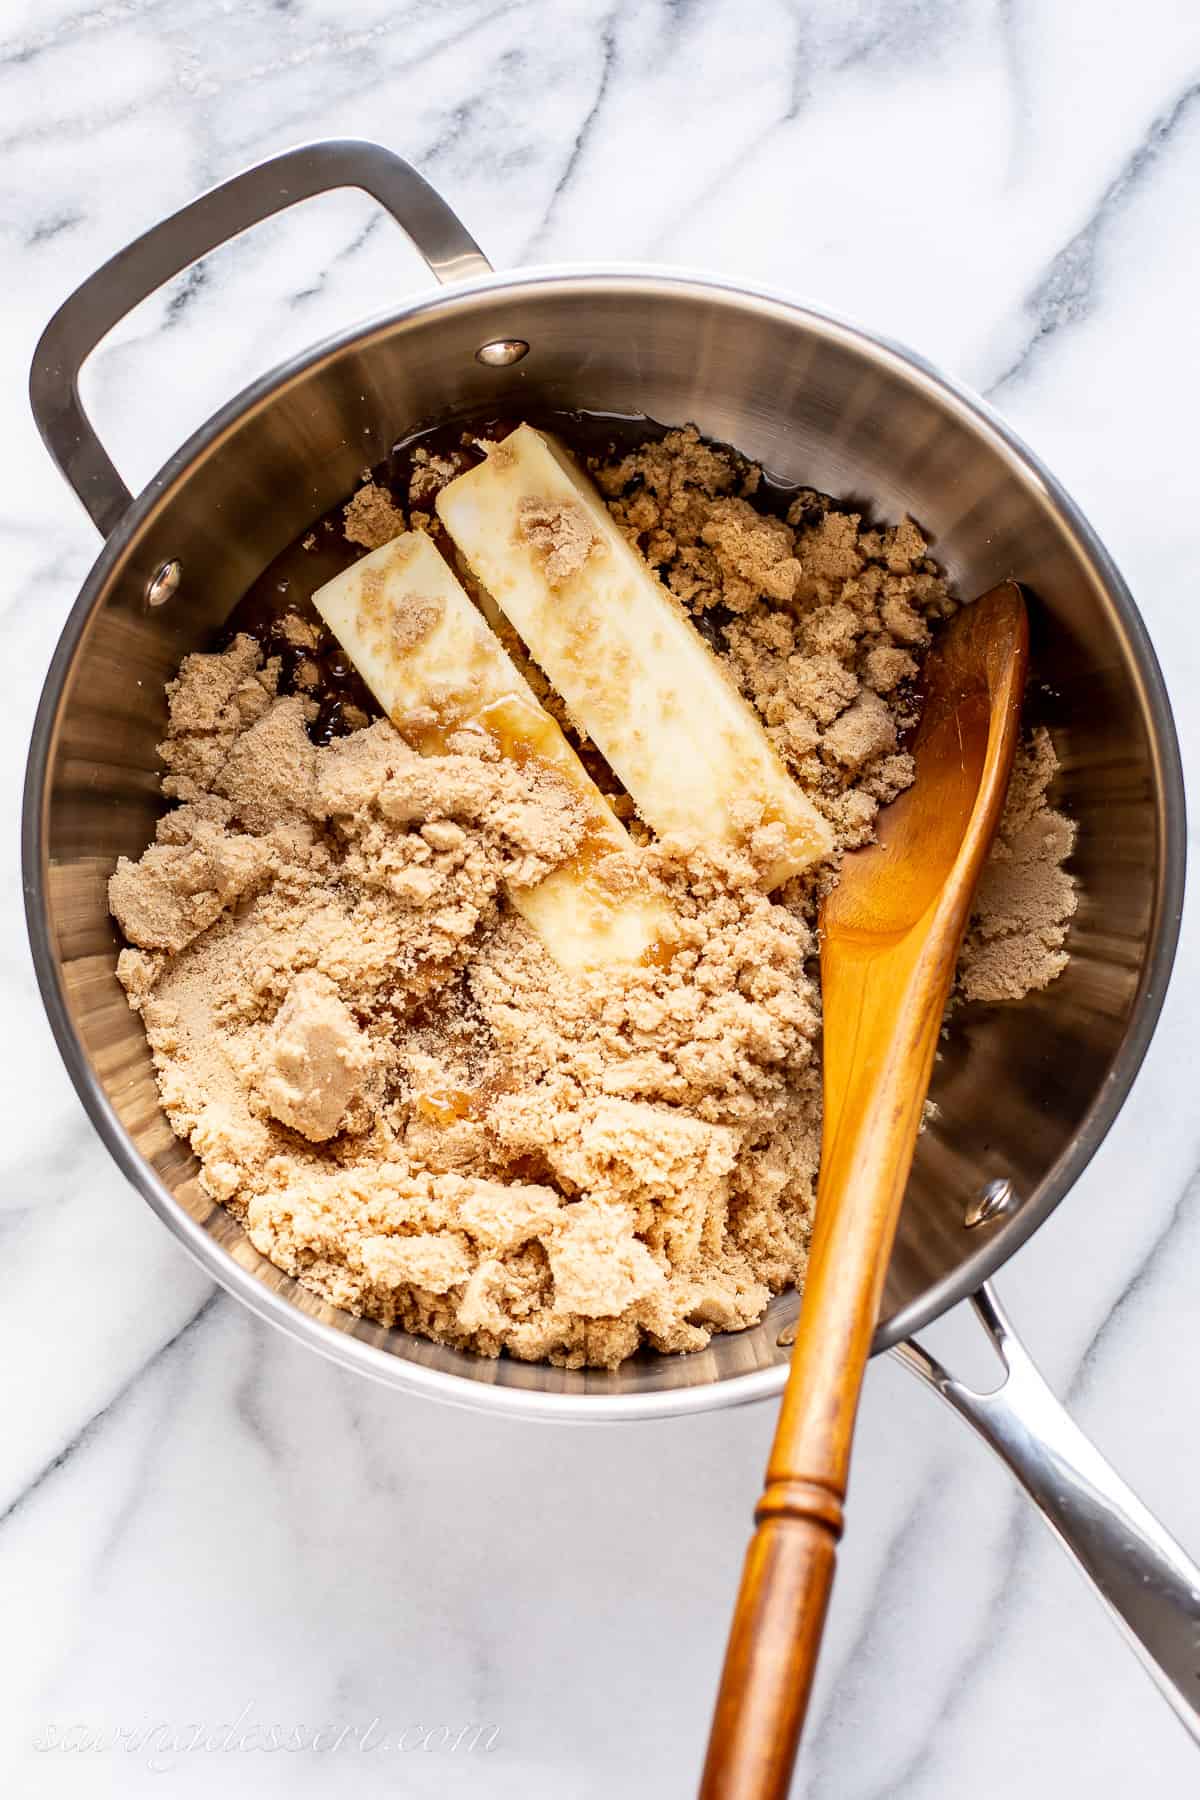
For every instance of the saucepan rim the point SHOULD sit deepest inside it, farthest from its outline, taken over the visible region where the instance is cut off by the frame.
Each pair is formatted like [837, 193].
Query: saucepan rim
[354, 1352]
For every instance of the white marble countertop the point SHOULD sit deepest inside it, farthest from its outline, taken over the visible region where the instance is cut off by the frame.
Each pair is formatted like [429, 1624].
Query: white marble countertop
[201, 1523]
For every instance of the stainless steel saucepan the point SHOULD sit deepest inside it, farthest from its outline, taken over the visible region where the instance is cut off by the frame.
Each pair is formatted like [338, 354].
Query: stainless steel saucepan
[1025, 1092]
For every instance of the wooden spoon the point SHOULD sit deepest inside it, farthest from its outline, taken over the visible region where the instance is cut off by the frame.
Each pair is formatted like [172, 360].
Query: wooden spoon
[890, 937]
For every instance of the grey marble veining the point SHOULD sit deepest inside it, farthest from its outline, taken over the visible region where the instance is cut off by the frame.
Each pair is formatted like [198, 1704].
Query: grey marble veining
[198, 1520]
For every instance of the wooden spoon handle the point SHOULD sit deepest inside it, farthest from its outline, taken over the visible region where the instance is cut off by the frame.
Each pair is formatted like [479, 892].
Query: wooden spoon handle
[772, 1652]
[776, 1632]
[788, 1573]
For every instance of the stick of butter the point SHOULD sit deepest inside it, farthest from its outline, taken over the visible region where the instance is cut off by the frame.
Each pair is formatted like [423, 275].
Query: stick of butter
[435, 667]
[622, 653]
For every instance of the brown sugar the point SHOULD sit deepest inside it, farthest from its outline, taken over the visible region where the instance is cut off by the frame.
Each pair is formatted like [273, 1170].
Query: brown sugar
[314, 1061]
[372, 518]
[416, 1112]
[561, 531]
[1026, 897]
[415, 617]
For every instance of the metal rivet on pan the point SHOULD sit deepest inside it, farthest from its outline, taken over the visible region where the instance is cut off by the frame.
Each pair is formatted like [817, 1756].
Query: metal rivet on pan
[502, 353]
[163, 583]
[995, 1198]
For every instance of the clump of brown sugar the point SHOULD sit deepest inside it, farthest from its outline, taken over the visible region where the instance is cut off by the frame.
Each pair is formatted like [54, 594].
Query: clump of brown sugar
[413, 1109]
[371, 517]
[1026, 897]
[561, 531]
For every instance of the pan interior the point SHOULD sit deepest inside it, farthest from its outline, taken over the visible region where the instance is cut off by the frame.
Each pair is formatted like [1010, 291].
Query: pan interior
[1024, 1092]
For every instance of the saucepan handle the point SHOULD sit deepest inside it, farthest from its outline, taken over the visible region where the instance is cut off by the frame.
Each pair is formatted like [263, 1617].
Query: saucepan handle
[1148, 1583]
[195, 230]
